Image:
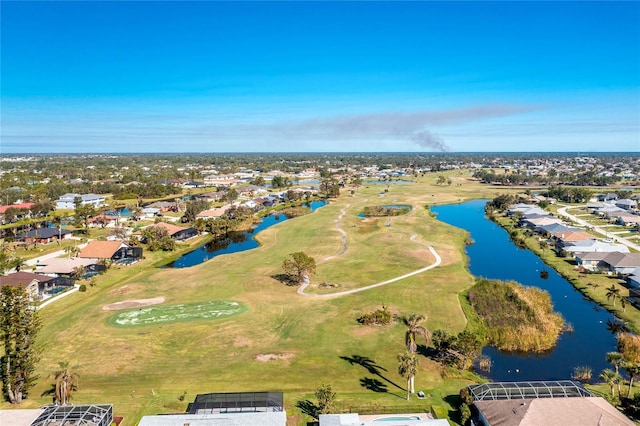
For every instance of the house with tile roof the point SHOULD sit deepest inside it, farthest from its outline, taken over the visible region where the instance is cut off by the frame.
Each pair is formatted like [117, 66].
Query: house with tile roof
[34, 284]
[178, 233]
[111, 250]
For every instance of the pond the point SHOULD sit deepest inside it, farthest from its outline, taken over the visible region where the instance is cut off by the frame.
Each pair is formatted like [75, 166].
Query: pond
[234, 243]
[494, 256]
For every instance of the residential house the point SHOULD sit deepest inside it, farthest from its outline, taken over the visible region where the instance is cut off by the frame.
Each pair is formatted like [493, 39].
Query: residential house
[67, 266]
[626, 204]
[67, 201]
[214, 213]
[210, 196]
[549, 403]
[150, 212]
[591, 260]
[607, 197]
[625, 218]
[193, 184]
[164, 206]
[622, 263]
[178, 233]
[243, 408]
[34, 284]
[111, 250]
[103, 221]
[633, 279]
[553, 228]
[607, 210]
[535, 221]
[565, 238]
[22, 210]
[44, 235]
[594, 245]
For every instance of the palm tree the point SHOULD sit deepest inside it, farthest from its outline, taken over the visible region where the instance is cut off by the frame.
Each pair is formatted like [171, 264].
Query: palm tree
[612, 293]
[615, 359]
[407, 367]
[633, 370]
[616, 327]
[413, 329]
[66, 382]
[609, 377]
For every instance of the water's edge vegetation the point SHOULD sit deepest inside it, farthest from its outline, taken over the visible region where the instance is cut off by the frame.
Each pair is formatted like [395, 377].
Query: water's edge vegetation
[514, 317]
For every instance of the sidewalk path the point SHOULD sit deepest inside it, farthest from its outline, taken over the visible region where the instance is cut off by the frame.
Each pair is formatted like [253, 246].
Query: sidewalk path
[305, 284]
[563, 211]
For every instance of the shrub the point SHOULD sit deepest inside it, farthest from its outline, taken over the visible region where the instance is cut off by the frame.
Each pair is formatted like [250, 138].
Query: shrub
[377, 317]
[82, 288]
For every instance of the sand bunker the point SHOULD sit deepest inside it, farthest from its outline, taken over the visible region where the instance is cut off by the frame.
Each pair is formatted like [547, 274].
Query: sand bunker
[136, 303]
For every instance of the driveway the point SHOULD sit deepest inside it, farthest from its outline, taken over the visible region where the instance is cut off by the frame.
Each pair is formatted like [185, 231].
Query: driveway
[563, 212]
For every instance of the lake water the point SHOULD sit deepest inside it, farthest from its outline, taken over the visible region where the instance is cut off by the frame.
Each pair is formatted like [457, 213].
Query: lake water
[235, 242]
[494, 256]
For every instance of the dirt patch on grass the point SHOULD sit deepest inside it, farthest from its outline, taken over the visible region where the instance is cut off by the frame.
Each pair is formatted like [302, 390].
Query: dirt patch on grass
[125, 289]
[273, 357]
[241, 341]
[136, 303]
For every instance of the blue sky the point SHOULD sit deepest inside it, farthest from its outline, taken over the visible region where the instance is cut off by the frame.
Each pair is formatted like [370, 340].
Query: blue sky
[319, 76]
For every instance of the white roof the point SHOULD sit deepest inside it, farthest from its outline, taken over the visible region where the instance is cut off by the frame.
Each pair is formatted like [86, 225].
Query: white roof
[19, 417]
[276, 418]
[63, 265]
[594, 245]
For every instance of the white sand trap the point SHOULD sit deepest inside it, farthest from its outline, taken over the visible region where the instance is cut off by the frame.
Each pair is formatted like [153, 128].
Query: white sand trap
[136, 303]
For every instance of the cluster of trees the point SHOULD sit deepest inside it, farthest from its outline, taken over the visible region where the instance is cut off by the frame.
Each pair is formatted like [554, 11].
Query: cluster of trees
[569, 195]
[459, 350]
[517, 177]
[330, 187]
[157, 238]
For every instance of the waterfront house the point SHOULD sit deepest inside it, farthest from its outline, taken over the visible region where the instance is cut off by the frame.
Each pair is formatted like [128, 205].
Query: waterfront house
[110, 250]
[594, 245]
[549, 403]
[633, 279]
[178, 233]
[214, 213]
[622, 263]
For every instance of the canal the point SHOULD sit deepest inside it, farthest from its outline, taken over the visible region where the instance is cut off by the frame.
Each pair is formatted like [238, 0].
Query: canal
[492, 255]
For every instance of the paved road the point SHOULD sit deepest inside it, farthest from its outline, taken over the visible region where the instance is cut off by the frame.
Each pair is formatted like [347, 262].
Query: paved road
[563, 211]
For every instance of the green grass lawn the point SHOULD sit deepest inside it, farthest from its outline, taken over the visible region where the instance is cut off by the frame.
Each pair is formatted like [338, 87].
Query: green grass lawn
[284, 341]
